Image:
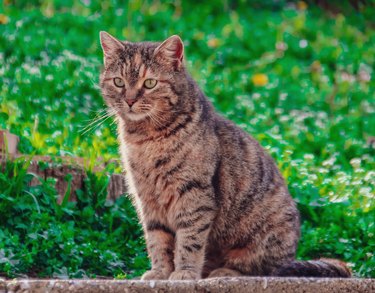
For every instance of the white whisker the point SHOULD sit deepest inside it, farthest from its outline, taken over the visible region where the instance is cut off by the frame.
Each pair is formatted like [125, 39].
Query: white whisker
[98, 121]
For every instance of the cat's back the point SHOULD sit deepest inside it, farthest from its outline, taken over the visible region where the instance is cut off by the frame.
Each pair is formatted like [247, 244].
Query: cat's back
[243, 157]
[251, 190]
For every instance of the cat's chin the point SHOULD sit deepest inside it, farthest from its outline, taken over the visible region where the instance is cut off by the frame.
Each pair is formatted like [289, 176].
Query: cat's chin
[135, 116]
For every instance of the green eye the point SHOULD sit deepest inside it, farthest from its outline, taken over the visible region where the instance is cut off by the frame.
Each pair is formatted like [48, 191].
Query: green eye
[150, 83]
[119, 82]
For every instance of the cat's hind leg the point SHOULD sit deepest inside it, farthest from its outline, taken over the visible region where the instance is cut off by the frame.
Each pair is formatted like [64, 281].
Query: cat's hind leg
[251, 261]
[237, 262]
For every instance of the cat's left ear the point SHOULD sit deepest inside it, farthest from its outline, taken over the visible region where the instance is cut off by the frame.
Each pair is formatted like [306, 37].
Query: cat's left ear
[171, 51]
[110, 45]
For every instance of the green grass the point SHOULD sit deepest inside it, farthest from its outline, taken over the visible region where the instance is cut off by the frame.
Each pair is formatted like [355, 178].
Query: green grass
[42, 238]
[314, 114]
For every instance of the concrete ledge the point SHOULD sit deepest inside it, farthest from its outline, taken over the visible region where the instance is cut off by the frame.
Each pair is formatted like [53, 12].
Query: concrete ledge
[243, 284]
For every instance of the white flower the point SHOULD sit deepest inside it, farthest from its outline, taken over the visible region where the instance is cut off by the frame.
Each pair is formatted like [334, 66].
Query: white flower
[308, 157]
[303, 44]
[366, 191]
[49, 77]
[356, 163]
[329, 162]
[370, 176]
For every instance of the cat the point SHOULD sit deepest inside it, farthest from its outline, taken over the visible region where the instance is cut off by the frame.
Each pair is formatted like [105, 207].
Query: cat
[211, 201]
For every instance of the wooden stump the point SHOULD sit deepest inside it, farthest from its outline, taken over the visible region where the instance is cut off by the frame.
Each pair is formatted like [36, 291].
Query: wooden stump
[8, 142]
[116, 186]
[60, 171]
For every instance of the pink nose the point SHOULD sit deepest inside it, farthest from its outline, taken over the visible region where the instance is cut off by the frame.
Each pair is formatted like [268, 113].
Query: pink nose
[130, 102]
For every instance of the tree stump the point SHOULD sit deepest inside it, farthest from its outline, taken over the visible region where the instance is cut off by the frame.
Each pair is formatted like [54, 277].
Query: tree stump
[44, 167]
[8, 142]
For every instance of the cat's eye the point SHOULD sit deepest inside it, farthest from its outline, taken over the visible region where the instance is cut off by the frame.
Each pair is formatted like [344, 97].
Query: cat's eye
[119, 82]
[150, 83]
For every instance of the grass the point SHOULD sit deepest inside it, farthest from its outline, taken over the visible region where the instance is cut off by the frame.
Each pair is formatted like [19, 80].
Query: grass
[298, 78]
[40, 238]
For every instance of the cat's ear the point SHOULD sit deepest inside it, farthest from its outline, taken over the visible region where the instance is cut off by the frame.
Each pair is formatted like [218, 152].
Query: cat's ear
[171, 51]
[110, 46]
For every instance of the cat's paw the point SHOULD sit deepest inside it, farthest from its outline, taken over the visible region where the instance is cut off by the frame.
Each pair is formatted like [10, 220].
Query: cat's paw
[155, 275]
[184, 275]
[224, 272]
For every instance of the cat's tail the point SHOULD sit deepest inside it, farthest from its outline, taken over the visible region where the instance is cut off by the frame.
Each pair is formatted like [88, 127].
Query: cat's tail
[324, 267]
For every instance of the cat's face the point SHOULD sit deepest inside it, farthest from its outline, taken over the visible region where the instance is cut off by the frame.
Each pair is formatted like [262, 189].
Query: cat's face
[139, 79]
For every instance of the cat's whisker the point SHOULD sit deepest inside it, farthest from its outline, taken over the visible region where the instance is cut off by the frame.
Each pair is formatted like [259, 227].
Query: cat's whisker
[156, 120]
[98, 121]
[93, 121]
[113, 121]
[162, 119]
[96, 112]
[97, 125]
[152, 118]
[98, 118]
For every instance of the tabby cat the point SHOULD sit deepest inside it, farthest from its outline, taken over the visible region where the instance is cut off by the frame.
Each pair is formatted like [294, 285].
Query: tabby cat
[211, 201]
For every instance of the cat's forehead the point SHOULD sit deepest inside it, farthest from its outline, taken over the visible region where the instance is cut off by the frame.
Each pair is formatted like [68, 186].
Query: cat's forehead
[140, 52]
[134, 59]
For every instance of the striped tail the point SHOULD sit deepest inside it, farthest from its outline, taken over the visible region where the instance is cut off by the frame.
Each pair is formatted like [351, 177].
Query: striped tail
[324, 267]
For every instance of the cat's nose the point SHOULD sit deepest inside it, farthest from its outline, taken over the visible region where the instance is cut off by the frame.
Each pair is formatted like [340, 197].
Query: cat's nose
[130, 102]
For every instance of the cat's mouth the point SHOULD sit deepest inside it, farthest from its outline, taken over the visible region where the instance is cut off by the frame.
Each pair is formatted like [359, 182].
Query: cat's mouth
[135, 112]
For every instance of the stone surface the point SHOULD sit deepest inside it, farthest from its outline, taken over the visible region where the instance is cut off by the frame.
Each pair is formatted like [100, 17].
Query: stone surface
[241, 284]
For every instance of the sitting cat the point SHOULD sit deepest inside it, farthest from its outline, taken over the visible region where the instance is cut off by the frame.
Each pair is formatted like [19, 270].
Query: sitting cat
[211, 201]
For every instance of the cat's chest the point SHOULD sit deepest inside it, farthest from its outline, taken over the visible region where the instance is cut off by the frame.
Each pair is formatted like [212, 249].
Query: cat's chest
[147, 174]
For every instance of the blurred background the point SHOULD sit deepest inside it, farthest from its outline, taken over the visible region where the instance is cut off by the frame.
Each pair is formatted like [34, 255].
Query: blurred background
[297, 75]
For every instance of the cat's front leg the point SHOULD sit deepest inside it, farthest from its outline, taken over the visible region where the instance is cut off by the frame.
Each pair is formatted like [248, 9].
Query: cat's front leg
[160, 246]
[193, 227]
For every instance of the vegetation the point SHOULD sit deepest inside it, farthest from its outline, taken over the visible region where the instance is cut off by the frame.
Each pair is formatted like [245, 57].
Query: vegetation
[298, 78]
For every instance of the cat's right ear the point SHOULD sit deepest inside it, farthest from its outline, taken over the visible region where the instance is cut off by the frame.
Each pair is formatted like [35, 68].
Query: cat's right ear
[171, 51]
[110, 46]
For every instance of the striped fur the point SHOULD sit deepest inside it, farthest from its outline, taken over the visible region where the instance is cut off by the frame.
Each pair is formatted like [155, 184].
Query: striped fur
[328, 268]
[211, 201]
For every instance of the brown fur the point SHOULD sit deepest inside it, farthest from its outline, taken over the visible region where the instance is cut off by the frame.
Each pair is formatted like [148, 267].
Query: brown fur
[211, 201]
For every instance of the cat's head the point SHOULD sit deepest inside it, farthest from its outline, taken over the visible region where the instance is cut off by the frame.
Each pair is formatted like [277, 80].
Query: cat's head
[141, 80]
